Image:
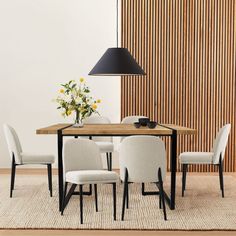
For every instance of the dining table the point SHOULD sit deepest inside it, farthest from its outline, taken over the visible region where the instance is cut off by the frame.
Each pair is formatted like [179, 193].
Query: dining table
[120, 130]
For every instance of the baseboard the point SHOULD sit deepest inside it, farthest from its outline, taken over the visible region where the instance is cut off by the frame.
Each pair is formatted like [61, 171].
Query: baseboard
[34, 171]
[23, 171]
[40, 171]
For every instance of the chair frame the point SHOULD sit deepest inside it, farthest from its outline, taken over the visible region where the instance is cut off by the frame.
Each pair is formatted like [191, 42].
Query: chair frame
[161, 193]
[109, 161]
[109, 157]
[81, 193]
[221, 177]
[108, 154]
[13, 175]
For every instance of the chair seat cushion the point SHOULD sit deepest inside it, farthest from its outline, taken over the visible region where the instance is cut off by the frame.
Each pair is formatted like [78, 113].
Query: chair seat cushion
[29, 158]
[196, 158]
[105, 146]
[91, 176]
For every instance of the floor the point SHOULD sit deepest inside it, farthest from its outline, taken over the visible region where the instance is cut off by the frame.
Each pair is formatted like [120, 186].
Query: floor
[108, 233]
[102, 232]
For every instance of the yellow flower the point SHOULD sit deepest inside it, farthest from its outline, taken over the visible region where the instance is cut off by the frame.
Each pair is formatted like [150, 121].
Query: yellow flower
[99, 101]
[69, 112]
[81, 80]
[62, 91]
[94, 106]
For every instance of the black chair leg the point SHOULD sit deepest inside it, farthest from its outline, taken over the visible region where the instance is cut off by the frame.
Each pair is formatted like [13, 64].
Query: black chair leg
[114, 200]
[184, 174]
[143, 188]
[64, 198]
[81, 203]
[221, 177]
[127, 196]
[161, 189]
[96, 197]
[49, 167]
[124, 194]
[90, 189]
[13, 174]
[160, 201]
[108, 162]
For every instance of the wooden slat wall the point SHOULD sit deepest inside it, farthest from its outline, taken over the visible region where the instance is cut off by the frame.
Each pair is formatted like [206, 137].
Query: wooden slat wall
[188, 50]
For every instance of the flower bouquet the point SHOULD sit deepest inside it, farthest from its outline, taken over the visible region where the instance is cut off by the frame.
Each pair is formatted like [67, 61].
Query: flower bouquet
[75, 98]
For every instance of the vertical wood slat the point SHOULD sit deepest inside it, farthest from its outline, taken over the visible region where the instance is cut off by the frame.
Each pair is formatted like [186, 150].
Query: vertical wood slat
[188, 50]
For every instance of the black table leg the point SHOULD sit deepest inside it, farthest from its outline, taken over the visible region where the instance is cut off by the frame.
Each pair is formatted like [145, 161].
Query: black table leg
[173, 159]
[60, 167]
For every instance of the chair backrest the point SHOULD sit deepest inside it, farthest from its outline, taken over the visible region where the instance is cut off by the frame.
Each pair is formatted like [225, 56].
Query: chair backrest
[142, 156]
[220, 143]
[13, 143]
[131, 119]
[99, 120]
[81, 154]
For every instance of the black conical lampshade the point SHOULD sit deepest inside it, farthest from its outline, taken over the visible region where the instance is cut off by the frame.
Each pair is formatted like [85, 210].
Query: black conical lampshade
[117, 61]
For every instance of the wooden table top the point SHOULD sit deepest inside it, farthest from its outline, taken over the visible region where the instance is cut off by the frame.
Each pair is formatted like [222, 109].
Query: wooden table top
[115, 129]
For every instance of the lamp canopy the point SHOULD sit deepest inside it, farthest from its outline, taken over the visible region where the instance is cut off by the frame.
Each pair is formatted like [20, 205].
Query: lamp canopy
[117, 61]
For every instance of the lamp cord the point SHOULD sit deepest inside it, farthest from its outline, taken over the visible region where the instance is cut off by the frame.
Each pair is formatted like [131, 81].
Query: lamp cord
[117, 24]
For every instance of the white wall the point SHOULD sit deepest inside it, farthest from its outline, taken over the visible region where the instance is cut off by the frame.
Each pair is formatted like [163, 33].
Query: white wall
[44, 43]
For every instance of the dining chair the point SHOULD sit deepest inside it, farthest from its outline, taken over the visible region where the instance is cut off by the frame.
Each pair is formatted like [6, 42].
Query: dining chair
[19, 158]
[83, 166]
[215, 157]
[131, 120]
[142, 160]
[105, 144]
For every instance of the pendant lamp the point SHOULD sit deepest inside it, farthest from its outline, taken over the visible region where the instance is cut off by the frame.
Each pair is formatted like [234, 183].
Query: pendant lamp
[116, 61]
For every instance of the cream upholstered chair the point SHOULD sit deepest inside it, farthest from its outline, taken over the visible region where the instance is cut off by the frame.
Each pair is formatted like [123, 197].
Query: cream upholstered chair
[83, 165]
[215, 157]
[105, 144]
[18, 157]
[130, 120]
[142, 160]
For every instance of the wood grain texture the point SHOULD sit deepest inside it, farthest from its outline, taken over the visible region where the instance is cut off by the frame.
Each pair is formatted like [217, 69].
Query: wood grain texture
[52, 129]
[115, 129]
[188, 50]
